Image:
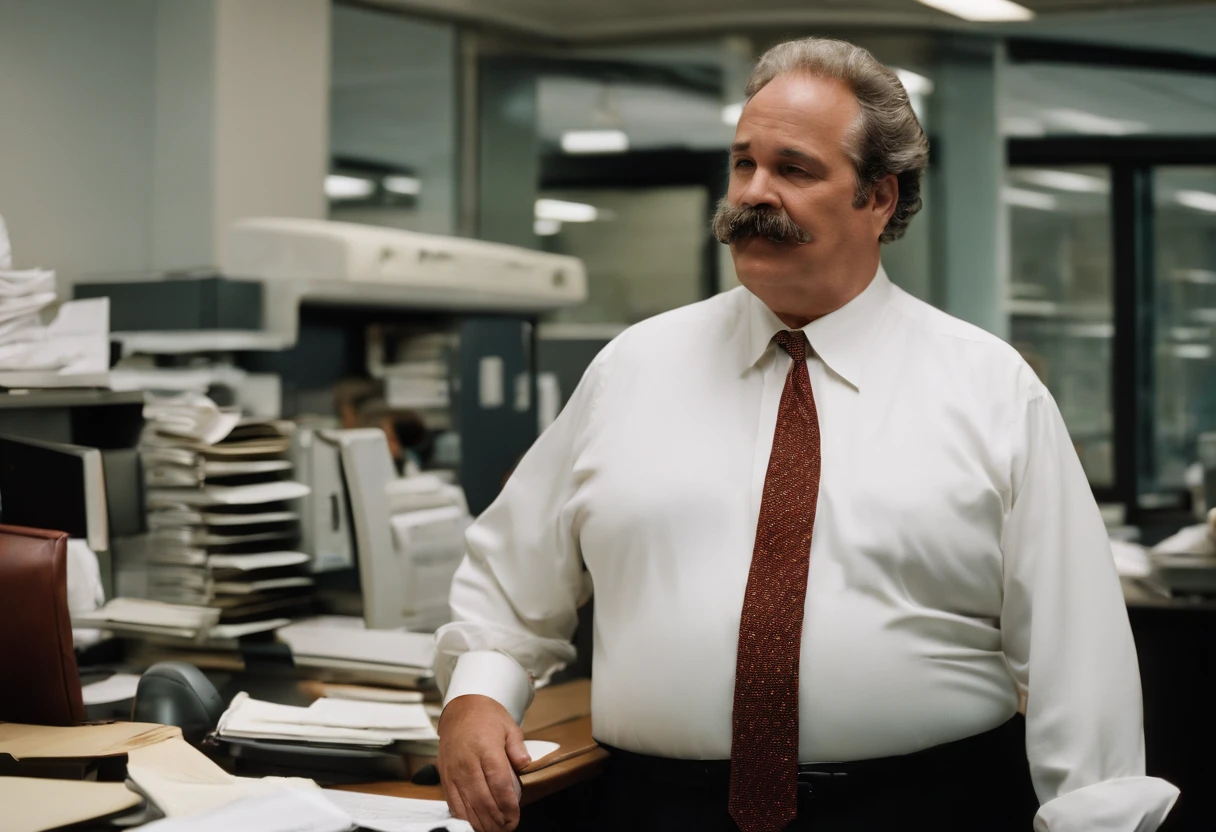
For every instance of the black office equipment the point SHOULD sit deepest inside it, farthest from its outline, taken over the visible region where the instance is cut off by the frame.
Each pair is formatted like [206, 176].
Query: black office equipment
[175, 303]
[49, 485]
[177, 693]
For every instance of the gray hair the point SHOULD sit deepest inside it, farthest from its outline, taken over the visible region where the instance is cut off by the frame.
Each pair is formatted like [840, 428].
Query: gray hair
[887, 138]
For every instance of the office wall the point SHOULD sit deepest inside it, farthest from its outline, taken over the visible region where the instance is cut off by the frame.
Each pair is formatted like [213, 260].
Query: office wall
[271, 122]
[76, 113]
[393, 100]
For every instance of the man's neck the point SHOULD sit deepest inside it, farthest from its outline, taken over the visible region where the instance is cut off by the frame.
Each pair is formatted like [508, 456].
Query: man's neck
[797, 319]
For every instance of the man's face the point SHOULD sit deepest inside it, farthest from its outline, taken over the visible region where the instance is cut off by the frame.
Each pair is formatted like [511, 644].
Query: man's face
[789, 158]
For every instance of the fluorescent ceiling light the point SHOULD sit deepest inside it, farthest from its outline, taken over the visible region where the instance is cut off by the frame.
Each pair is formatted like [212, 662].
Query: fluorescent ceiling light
[731, 113]
[348, 187]
[1198, 200]
[559, 211]
[914, 83]
[1062, 180]
[1023, 198]
[1200, 352]
[982, 11]
[1022, 126]
[546, 228]
[1082, 122]
[404, 185]
[595, 141]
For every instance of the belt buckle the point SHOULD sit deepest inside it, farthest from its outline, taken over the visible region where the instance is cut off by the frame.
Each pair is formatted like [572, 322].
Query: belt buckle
[812, 784]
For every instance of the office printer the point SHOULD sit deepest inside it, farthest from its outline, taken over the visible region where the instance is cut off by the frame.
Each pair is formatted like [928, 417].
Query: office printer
[443, 270]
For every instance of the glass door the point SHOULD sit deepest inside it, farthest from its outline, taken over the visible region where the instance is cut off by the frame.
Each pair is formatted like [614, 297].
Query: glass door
[1061, 298]
[1184, 319]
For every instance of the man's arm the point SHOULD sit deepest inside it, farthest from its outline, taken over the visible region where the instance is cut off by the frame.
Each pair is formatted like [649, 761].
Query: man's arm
[514, 609]
[1066, 635]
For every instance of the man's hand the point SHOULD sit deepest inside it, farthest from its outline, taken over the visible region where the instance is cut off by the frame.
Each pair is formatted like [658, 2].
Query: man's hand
[480, 749]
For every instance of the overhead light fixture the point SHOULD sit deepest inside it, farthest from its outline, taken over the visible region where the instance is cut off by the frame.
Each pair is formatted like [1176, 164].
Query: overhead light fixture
[731, 113]
[1197, 352]
[403, 185]
[1022, 126]
[558, 210]
[982, 11]
[914, 83]
[348, 187]
[1023, 198]
[1080, 121]
[1197, 200]
[1063, 180]
[595, 141]
[546, 228]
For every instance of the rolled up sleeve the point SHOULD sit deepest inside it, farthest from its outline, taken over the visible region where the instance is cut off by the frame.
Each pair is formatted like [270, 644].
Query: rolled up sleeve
[1066, 636]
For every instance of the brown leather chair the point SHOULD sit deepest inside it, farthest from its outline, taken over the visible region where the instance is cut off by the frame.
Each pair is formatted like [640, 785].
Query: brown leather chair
[39, 681]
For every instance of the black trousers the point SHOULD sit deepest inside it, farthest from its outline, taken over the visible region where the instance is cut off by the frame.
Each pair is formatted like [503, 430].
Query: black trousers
[979, 784]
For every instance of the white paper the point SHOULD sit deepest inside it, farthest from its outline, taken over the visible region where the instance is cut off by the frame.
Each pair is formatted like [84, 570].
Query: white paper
[231, 495]
[6, 247]
[365, 694]
[348, 713]
[233, 631]
[213, 518]
[389, 647]
[395, 814]
[74, 352]
[155, 613]
[289, 810]
[118, 688]
[191, 416]
[538, 749]
[17, 307]
[254, 719]
[260, 560]
[231, 469]
[250, 587]
[85, 592]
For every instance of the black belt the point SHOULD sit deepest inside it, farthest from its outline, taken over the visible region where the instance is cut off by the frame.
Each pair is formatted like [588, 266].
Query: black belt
[827, 780]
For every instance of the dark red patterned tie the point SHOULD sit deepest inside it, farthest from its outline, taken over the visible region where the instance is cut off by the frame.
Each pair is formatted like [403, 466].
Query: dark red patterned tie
[764, 743]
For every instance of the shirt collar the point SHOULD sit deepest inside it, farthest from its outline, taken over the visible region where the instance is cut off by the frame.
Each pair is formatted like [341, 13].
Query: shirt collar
[840, 339]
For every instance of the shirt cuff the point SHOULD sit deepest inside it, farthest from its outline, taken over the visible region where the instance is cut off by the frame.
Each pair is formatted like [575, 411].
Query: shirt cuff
[493, 674]
[1125, 804]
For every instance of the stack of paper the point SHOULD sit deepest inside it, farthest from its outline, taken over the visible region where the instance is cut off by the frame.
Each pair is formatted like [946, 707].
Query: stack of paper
[139, 617]
[223, 517]
[419, 378]
[329, 721]
[311, 810]
[73, 351]
[349, 652]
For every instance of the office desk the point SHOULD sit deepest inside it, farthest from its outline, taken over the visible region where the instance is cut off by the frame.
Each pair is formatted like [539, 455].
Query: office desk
[1176, 647]
[560, 714]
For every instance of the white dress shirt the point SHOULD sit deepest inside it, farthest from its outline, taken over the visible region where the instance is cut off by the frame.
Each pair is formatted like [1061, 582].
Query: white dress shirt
[958, 560]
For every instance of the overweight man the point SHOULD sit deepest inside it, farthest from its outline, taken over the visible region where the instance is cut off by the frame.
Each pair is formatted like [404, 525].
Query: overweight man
[837, 538]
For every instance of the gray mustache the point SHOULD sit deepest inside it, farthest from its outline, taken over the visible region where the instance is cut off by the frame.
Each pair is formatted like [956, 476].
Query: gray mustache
[732, 223]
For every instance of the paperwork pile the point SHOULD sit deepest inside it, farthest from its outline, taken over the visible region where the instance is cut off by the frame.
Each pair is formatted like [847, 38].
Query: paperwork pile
[140, 617]
[419, 379]
[320, 811]
[72, 351]
[223, 520]
[345, 650]
[330, 722]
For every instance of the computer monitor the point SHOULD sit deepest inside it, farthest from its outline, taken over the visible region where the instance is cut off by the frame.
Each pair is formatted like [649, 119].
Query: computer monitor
[53, 485]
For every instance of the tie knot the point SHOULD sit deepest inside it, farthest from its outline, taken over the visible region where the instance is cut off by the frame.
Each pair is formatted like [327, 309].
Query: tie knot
[793, 343]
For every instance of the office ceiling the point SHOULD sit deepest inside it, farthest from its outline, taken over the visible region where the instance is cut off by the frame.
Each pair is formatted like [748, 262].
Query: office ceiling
[589, 20]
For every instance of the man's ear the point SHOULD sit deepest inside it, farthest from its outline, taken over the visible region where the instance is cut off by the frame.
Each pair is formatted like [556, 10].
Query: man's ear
[883, 202]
